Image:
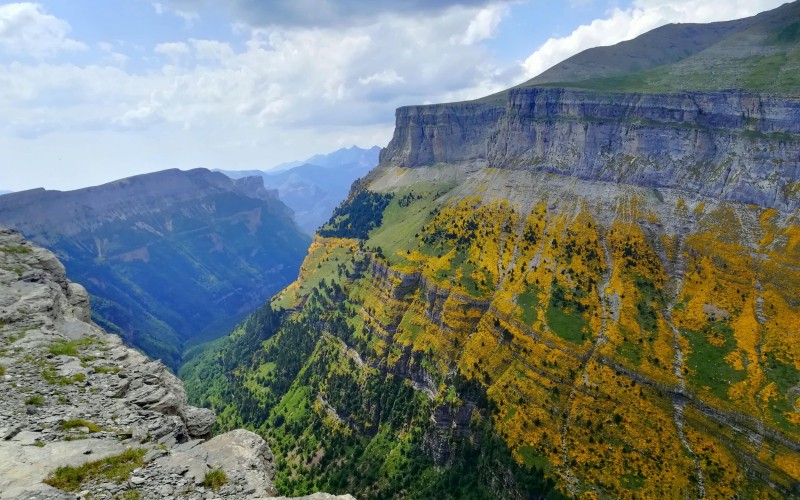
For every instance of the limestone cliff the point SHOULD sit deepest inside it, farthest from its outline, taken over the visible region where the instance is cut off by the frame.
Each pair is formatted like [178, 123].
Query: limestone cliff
[738, 146]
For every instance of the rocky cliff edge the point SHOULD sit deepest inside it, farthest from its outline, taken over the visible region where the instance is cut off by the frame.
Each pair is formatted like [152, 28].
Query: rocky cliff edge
[84, 412]
[736, 145]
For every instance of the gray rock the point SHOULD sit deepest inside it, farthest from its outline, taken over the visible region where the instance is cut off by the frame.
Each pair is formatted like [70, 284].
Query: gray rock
[198, 420]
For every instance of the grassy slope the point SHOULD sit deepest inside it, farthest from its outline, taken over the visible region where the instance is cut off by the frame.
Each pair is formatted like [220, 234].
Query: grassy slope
[759, 53]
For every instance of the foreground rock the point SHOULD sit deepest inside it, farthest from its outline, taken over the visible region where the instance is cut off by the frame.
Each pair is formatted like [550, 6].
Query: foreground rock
[74, 394]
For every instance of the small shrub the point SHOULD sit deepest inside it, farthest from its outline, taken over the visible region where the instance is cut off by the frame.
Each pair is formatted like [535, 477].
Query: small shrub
[50, 375]
[18, 249]
[71, 348]
[107, 369]
[2, 370]
[37, 400]
[215, 479]
[64, 348]
[79, 422]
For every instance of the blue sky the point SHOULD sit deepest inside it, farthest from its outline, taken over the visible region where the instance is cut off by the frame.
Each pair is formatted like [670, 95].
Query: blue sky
[96, 90]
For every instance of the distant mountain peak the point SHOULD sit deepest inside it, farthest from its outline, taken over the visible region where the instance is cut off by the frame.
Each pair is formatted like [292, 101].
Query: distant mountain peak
[314, 187]
[351, 155]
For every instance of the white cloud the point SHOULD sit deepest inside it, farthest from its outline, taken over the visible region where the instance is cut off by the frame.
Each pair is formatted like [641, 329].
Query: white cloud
[211, 50]
[643, 16]
[327, 13]
[284, 93]
[111, 56]
[27, 29]
[172, 50]
[189, 17]
[484, 24]
[385, 77]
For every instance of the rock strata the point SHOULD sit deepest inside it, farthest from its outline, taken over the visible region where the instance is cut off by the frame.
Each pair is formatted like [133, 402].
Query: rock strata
[735, 145]
[73, 394]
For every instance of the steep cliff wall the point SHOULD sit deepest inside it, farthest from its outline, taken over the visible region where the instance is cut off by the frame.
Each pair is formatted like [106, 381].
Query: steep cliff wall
[734, 146]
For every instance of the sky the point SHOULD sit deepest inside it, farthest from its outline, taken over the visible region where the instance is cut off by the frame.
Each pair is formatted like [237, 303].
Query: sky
[96, 90]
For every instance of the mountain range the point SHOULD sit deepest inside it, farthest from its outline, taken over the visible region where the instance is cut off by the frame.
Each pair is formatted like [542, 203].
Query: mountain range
[171, 258]
[584, 286]
[314, 187]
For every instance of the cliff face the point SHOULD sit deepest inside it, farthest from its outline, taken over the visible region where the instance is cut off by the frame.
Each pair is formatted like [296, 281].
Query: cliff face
[601, 286]
[736, 146]
[156, 250]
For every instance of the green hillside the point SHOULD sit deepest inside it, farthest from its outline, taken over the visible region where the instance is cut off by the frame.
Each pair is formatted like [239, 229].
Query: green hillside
[758, 53]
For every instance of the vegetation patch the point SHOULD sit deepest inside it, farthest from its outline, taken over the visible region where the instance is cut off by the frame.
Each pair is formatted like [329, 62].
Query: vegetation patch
[70, 348]
[649, 297]
[786, 377]
[565, 316]
[117, 468]
[528, 302]
[789, 34]
[707, 359]
[37, 400]
[50, 375]
[357, 217]
[215, 479]
[403, 219]
[107, 369]
[77, 423]
[15, 249]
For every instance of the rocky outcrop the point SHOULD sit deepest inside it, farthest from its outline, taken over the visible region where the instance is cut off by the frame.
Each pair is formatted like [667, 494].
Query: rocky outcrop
[737, 146]
[450, 427]
[73, 394]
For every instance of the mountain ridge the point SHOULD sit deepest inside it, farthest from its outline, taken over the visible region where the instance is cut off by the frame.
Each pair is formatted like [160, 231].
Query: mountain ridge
[154, 250]
[529, 131]
[315, 187]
